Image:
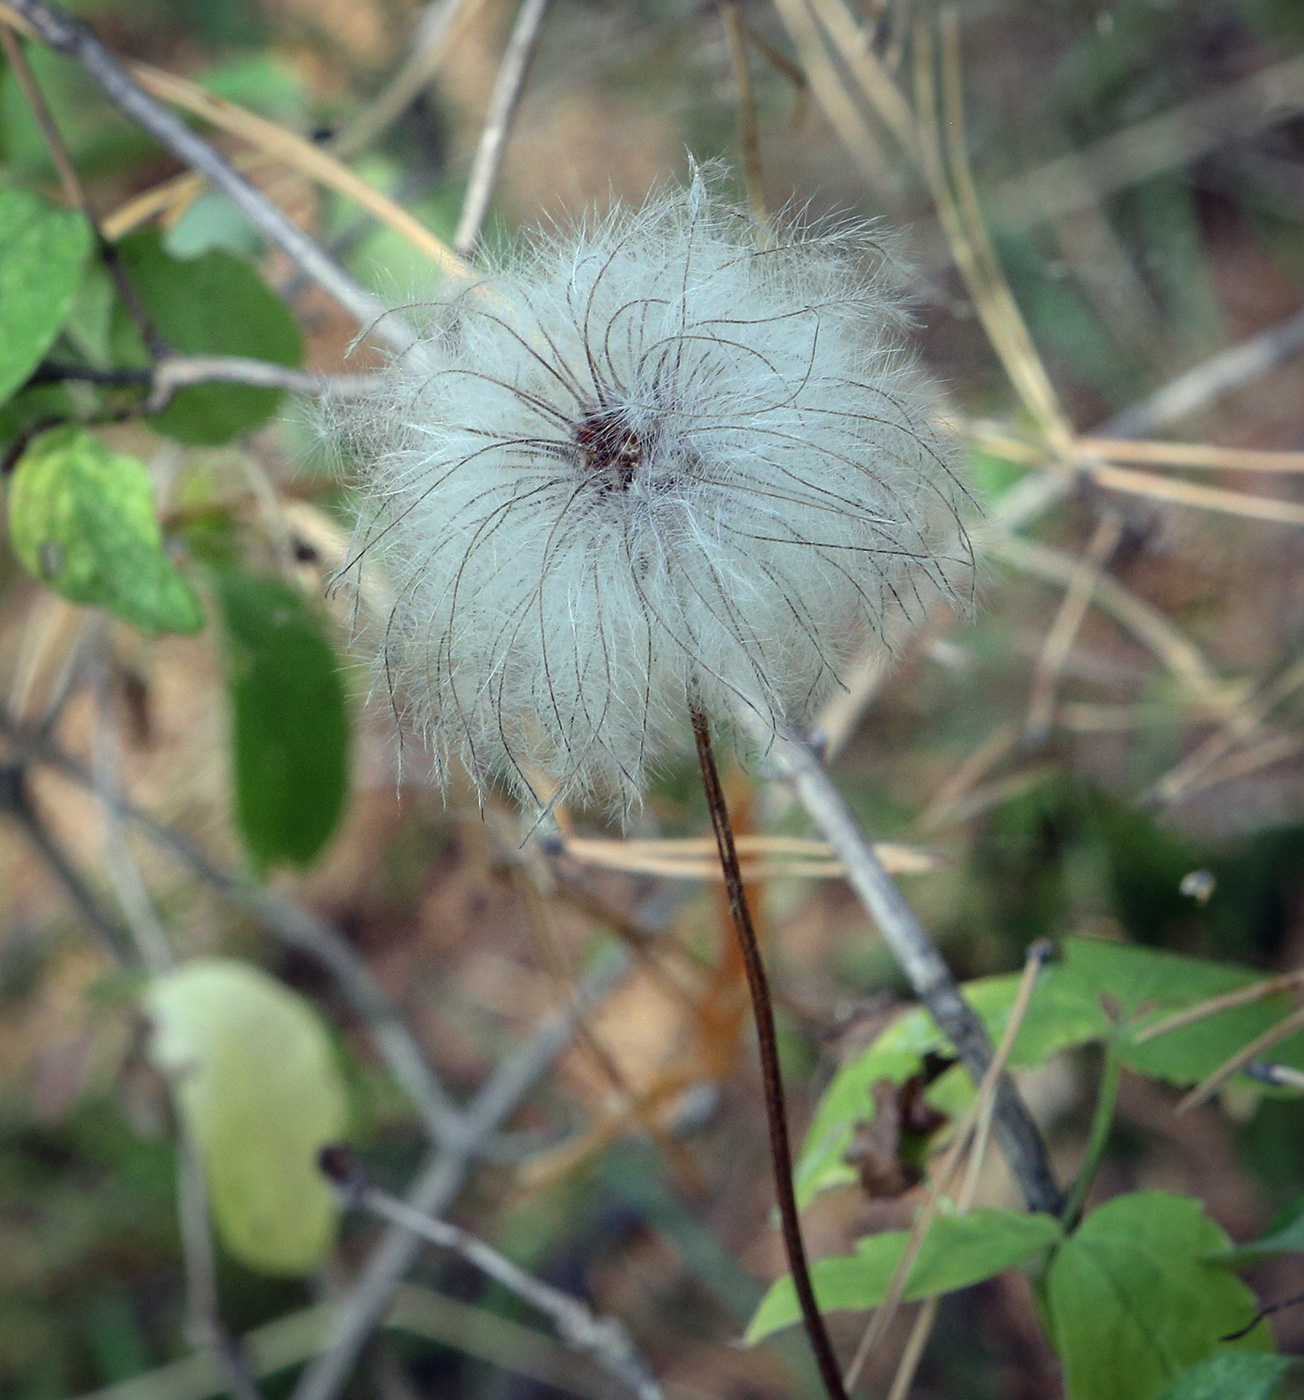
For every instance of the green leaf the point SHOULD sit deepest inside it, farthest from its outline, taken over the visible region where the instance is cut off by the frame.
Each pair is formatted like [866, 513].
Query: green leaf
[214, 304]
[81, 518]
[959, 1250]
[1061, 1014]
[1232, 1375]
[256, 1083]
[1144, 985]
[291, 728]
[1134, 1301]
[43, 251]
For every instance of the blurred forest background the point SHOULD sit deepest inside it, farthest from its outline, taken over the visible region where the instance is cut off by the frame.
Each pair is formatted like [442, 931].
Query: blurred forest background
[1112, 745]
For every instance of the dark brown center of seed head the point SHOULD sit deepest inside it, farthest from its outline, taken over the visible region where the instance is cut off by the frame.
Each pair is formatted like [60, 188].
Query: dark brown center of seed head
[609, 446]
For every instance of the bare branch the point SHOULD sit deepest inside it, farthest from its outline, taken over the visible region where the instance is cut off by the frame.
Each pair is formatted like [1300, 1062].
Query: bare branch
[923, 965]
[70, 36]
[182, 371]
[603, 1338]
[440, 24]
[1227, 370]
[296, 927]
[510, 81]
[17, 801]
[441, 1179]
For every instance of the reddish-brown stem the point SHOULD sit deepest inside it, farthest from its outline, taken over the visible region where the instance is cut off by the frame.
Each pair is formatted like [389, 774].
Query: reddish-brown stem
[763, 1013]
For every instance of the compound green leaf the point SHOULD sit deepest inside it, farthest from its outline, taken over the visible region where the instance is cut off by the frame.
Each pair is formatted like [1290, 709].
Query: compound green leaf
[214, 304]
[959, 1250]
[82, 519]
[290, 722]
[1232, 1375]
[43, 251]
[1135, 1302]
[1143, 985]
[1062, 1014]
[256, 1082]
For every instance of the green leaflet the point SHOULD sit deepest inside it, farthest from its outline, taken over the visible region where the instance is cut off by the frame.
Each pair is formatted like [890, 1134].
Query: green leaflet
[1062, 1014]
[958, 1251]
[1134, 1302]
[1232, 1375]
[1286, 1238]
[214, 304]
[81, 518]
[256, 1083]
[1072, 1005]
[290, 727]
[1144, 985]
[44, 248]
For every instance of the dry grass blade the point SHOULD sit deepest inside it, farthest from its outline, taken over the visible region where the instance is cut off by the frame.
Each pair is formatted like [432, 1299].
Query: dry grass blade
[169, 198]
[1242, 996]
[302, 155]
[985, 757]
[961, 219]
[853, 46]
[1189, 493]
[1172, 139]
[1240, 725]
[839, 107]
[1150, 627]
[1195, 455]
[1263, 755]
[439, 28]
[513, 69]
[690, 859]
[998, 792]
[749, 137]
[1274, 1035]
[973, 1128]
[1068, 621]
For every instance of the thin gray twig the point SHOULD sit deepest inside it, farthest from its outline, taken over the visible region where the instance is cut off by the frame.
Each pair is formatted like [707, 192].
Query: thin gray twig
[439, 23]
[506, 94]
[605, 1339]
[293, 925]
[17, 801]
[177, 372]
[1225, 371]
[70, 36]
[925, 968]
[441, 1179]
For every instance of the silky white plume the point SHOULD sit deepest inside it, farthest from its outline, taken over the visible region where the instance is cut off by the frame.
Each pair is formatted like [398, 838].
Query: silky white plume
[666, 459]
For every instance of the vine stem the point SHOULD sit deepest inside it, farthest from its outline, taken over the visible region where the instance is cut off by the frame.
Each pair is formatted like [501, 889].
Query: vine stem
[763, 1014]
[1102, 1122]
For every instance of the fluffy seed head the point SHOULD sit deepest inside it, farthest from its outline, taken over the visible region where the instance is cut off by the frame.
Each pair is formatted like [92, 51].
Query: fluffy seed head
[666, 459]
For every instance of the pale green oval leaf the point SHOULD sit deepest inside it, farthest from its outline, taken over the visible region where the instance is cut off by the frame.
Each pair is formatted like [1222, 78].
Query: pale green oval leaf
[40, 268]
[1232, 1375]
[289, 721]
[959, 1250]
[82, 519]
[256, 1082]
[1135, 1302]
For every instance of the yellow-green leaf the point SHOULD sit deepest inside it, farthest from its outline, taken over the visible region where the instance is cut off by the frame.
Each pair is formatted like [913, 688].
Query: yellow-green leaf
[82, 519]
[258, 1087]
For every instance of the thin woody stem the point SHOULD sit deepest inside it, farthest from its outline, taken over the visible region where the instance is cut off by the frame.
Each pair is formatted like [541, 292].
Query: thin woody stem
[763, 1014]
[925, 968]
